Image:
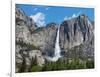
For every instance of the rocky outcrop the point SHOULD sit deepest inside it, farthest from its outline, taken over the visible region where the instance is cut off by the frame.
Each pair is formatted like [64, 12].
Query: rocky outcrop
[26, 52]
[76, 32]
[25, 58]
[44, 38]
[24, 26]
[32, 43]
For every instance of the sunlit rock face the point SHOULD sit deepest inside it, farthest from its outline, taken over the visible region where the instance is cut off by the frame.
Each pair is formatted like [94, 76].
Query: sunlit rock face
[27, 52]
[75, 31]
[77, 34]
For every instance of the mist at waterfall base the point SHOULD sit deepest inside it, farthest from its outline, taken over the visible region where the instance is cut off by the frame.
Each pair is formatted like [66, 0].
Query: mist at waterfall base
[57, 50]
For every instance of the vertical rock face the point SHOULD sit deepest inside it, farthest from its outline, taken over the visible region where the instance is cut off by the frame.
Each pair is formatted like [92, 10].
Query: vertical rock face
[44, 38]
[23, 26]
[50, 39]
[75, 32]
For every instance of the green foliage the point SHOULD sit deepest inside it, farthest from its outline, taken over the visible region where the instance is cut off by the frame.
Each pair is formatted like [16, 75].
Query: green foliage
[36, 68]
[75, 64]
[89, 64]
[71, 64]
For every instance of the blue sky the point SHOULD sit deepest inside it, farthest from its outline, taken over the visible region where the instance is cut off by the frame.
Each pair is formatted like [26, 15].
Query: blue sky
[55, 13]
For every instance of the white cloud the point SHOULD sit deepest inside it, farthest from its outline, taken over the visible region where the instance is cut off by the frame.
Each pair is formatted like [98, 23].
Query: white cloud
[73, 16]
[39, 19]
[65, 18]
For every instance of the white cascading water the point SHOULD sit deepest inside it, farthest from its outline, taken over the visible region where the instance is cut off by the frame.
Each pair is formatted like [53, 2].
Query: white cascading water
[57, 49]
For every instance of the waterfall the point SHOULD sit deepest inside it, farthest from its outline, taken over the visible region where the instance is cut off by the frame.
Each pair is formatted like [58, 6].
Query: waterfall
[57, 49]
